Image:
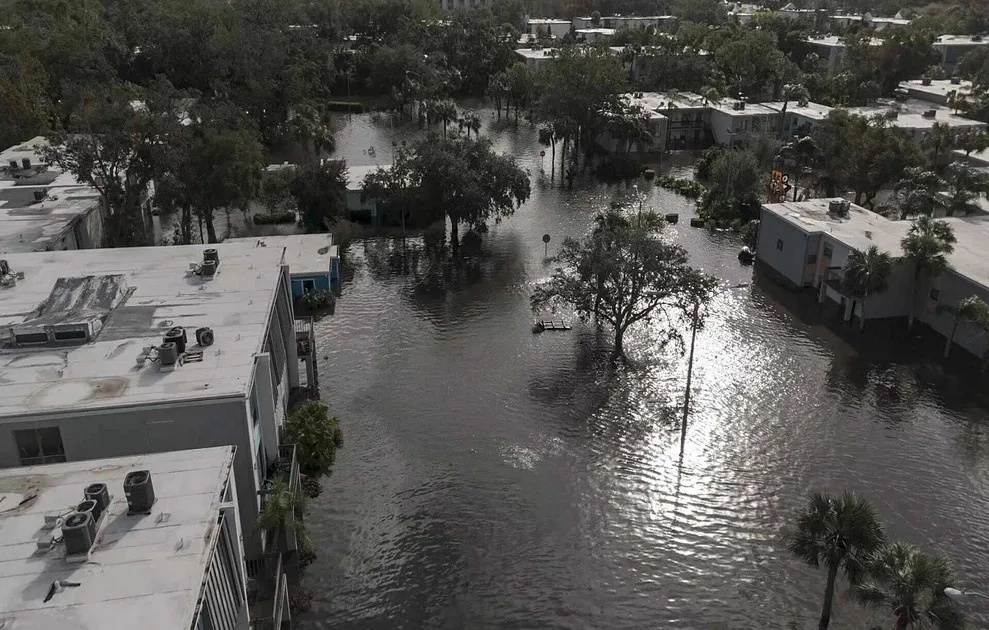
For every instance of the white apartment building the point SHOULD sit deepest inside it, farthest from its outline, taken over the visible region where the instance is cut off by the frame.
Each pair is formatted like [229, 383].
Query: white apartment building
[146, 541]
[43, 208]
[940, 92]
[734, 121]
[119, 352]
[548, 27]
[832, 50]
[954, 47]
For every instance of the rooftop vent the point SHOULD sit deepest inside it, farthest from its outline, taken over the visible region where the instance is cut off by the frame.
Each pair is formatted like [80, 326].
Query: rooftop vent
[78, 530]
[177, 336]
[13, 165]
[139, 491]
[976, 38]
[931, 113]
[839, 207]
[956, 80]
[926, 81]
[26, 163]
[738, 105]
[40, 194]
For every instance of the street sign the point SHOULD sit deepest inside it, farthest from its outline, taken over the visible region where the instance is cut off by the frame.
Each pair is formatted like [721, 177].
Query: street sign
[545, 245]
[542, 154]
[786, 178]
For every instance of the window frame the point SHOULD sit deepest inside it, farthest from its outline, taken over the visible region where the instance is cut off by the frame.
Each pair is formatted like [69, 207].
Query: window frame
[43, 456]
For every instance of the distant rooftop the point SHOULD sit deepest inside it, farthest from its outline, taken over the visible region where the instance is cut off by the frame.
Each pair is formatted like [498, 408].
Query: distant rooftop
[598, 31]
[940, 88]
[960, 40]
[912, 114]
[144, 571]
[356, 175]
[862, 229]
[26, 223]
[536, 53]
[834, 41]
[813, 111]
[664, 101]
[124, 300]
[547, 21]
[727, 106]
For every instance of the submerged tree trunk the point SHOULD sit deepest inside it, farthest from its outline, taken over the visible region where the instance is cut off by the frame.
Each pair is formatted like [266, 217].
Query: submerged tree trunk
[828, 598]
[210, 228]
[619, 349]
[454, 236]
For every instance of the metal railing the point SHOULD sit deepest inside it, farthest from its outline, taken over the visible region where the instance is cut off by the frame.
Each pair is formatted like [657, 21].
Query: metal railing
[288, 452]
[273, 586]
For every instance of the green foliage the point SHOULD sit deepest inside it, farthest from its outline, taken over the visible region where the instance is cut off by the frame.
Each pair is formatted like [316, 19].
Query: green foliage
[625, 272]
[971, 309]
[927, 245]
[734, 187]
[867, 274]
[461, 178]
[318, 300]
[917, 193]
[313, 431]
[965, 185]
[909, 585]
[280, 507]
[320, 193]
[840, 533]
[689, 188]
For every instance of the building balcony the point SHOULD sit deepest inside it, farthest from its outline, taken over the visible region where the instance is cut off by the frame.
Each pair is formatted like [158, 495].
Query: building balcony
[834, 279]
[270, 609]
[305, 344]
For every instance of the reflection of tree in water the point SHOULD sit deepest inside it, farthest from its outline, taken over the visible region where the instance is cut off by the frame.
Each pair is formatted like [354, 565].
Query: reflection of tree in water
[848, 376]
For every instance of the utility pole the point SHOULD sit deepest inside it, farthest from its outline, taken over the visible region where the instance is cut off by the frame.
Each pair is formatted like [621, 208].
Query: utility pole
[690, 373]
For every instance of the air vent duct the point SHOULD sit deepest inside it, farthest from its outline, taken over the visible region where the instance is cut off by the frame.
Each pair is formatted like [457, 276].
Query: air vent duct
[77, 533]
[139, 491]
[177, 336]
[26, 163]
[208, 268]
[13, 165]
[100, 493]
[204, 336]
[211, 254]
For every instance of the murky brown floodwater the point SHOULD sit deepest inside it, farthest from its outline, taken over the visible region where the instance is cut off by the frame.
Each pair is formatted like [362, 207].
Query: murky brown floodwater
[493, 478]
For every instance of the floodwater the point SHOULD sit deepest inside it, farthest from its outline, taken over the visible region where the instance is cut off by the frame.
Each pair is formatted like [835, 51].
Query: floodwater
[493, 478]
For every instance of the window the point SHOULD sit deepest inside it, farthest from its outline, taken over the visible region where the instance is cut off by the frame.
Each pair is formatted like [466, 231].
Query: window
[31, 338]
[308, 285]
[812, 259]
[71, 335]
[779, 244]
[934, 294]
[828, 252]
[39, 446]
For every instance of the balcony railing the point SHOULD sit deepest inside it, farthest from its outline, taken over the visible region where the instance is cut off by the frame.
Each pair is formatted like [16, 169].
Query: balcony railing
[835, 279]
[268, 611]
[304, 343]
[288, 452]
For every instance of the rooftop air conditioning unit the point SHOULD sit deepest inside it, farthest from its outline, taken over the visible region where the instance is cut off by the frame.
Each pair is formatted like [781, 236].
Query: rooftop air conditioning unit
[40, 194]
[91, 507]
[100, 493]
[204, 336]
[177, 336]
[956, 80]
[931, 113]
[26, 163]
[139, 491]
[168, 356]
[77, 533]
[844, 206]
[834, 207]
[976, 38]
[926, 81]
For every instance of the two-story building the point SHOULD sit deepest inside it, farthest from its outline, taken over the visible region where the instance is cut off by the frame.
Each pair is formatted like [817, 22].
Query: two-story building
[117, 352]
[953, 47]
[735, 121]
[43, 208]
[147, 541]
[546, 27]
[807, 245]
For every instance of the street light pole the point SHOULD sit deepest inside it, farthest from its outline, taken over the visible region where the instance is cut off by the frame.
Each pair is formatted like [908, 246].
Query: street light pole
[690, 373]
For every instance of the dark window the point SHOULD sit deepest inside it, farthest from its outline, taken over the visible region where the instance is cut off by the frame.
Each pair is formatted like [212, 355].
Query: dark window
[28, 338]
[934, 294]
[308, 285]
[812, 259]
[828, 252]
[70, 335]
[39, 446]
[779, 244]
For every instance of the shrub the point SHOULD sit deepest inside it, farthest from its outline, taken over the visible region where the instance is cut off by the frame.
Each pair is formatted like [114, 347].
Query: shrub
[314, 433]
[318, 300]
[274, 218]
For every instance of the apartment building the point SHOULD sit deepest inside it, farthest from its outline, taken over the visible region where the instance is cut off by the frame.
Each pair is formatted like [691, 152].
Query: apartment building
[118, 352]
[149, 541]
[807, 244]
[548, 27]
[953, 47]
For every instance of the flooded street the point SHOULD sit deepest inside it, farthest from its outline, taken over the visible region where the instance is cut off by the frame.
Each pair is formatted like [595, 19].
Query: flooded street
[493, 478]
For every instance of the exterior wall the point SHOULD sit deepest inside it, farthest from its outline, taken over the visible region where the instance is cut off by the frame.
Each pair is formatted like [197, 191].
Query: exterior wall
[687, 128]
[554, 29]
[895, 300]
[782, 247]
[796, 125]
[732, 129]
[157, 429]
[953, 288]
[617, 144]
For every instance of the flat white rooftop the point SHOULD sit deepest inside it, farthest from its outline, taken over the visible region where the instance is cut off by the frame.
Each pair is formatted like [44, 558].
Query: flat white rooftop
[726, 107]
[356, 175]
[158, 294]
[813, 111]
[144, 572]
[547, 21]
[595, 31]
[834, 41]
[305, 254]
[939, 88]
[536, 53]
[911, 114]
[861, 229]
[27, 225]
[960, 40]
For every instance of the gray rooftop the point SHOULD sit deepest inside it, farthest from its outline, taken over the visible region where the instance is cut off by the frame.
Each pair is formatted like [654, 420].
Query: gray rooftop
[27, 225]
[305, 254]
[144, 571]
[160, 294]
[911, 114]
[862, 229]
[960, 40]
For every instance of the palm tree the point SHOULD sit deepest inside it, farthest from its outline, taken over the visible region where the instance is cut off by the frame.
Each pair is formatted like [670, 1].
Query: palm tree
[972, 309]
[316, 435]
[446, 113]
[910, 584]
[940, 138]
[792, 92]
[867, 274]
[973, 141]
[965, 186]
[840, 532]
[927, 245]
[917, 192]
[470, 122]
